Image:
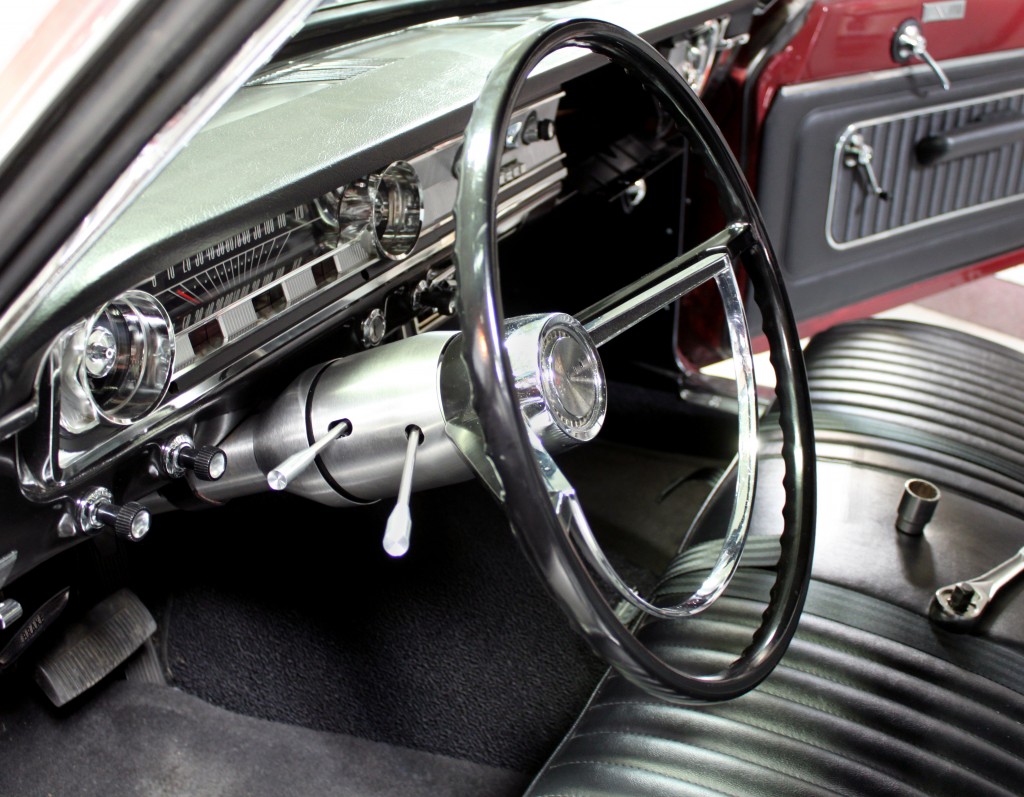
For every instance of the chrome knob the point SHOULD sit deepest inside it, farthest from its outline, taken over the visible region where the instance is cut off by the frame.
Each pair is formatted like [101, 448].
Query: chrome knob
[206, 462]
[100, 352]
[373, 328]
[181, 454]
[96, 509]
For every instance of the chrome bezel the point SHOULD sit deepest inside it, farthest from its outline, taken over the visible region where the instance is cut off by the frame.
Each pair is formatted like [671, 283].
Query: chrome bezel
[579, 427]
[149, 364]
[528, 340]
[396, 239]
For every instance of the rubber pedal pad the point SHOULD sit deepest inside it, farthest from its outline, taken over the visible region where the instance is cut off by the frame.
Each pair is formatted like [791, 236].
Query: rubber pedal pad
[144, 666]
[95, 646]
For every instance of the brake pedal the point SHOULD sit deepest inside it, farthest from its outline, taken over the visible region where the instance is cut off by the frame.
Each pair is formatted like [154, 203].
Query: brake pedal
[95, 646]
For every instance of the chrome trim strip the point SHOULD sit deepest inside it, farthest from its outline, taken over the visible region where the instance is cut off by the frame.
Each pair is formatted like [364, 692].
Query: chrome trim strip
[900, 73]
[855, 127]
[718, 267]
[367, 257]
[147, 430]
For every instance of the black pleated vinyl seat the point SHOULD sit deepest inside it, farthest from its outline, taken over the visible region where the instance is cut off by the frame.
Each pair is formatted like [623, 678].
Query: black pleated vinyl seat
[869, 700]
[938, 393]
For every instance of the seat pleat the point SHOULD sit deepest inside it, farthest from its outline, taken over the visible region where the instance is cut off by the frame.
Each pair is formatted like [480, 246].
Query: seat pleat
[855, 368]
[703, 763]
[909, 645]
[758, 729]
[876, 693]
[914, 336]
[916, 364]
[607, 779]
[921, 345]
[970, 401]
[848, 711]
[926, 416]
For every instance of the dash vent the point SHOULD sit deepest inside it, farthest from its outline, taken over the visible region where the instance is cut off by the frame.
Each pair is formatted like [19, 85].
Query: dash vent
[326, 70]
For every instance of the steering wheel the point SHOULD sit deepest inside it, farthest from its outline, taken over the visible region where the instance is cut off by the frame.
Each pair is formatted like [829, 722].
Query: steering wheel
[518, 416]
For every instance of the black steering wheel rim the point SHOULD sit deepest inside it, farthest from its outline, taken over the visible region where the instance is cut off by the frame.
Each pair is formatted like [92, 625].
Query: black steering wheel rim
[548, 547]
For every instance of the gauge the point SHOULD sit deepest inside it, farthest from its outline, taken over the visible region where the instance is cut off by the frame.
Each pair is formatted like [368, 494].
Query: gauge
[389, 205]
[227, 272]
[117, 365]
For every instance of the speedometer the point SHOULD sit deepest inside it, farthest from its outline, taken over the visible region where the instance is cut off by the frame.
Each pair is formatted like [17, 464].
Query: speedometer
[221, 275]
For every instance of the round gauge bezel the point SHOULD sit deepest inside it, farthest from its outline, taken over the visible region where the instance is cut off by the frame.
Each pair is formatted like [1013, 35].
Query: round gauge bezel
[144, 361]
[396, 239]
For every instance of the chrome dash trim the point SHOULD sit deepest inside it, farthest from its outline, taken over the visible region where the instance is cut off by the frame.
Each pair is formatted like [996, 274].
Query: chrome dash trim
[81, 468]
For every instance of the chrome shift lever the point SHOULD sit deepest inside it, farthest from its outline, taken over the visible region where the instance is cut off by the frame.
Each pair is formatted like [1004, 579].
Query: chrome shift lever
[279, 477]
[399, 528]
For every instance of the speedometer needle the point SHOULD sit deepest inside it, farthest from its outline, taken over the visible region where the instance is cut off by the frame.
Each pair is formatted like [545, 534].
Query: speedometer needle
[188, 297]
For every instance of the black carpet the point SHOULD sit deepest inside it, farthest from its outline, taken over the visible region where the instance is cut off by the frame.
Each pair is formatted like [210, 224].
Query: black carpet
[140, 740]
[288, 611]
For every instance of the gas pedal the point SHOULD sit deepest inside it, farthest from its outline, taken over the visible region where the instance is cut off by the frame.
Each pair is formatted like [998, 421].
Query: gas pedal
[94, 647]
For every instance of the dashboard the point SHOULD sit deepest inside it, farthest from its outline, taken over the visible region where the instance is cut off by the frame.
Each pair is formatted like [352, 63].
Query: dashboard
[311, 218]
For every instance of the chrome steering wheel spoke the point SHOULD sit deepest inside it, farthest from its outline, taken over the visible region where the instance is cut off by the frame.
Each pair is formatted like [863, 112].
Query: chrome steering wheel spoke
[520, 430]
[630, 305]
[677, 278]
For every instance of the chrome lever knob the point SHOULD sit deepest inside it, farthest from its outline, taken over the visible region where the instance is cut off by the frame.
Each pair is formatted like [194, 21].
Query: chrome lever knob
[97, 509]
[181, 454]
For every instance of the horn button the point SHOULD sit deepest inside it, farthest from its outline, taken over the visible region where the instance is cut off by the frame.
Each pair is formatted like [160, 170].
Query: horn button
[559, 378]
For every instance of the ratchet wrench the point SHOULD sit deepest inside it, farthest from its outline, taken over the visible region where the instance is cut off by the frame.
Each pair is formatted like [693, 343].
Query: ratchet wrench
[960, 606]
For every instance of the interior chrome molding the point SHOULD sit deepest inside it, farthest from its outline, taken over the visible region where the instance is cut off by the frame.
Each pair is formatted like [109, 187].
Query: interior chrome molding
[603, 328]
[40, 483]
[153, 158]
[900, 73]
[857, 128]
[353, 255]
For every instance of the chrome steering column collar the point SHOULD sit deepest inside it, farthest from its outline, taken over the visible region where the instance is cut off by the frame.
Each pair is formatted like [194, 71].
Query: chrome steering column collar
[339, 433]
